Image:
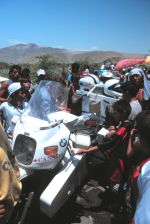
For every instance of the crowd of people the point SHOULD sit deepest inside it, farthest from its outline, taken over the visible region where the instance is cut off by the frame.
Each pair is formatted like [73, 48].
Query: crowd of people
[124, 151]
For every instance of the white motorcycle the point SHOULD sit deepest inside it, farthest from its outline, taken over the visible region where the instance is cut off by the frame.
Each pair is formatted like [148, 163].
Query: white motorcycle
[43, 140]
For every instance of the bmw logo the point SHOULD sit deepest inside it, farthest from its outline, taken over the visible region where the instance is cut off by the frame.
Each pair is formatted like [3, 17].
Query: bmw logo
[63, 142]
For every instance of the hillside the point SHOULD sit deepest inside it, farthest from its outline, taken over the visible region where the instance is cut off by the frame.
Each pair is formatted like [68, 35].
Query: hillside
[27, 53]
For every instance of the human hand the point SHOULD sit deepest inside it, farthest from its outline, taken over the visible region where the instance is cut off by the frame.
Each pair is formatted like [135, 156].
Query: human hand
[112, 127]
[111, 132]
[2, 210]
[134, 138]
[80, 151]
[132, 132]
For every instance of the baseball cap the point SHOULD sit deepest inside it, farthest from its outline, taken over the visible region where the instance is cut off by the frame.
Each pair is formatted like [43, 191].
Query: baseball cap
[40, 72]
[15, 86]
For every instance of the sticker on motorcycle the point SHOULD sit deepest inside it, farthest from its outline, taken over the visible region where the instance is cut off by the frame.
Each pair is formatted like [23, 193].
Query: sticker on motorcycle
[63, 142]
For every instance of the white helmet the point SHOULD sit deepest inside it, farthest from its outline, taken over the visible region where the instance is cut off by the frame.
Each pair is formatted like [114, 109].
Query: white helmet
[112, 88]
[107, 74]
[88, 82]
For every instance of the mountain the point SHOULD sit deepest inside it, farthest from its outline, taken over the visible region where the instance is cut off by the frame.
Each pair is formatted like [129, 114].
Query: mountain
[27, 53]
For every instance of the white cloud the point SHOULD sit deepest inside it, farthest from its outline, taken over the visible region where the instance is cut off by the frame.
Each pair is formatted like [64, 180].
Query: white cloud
[14, 42]
[94, 48]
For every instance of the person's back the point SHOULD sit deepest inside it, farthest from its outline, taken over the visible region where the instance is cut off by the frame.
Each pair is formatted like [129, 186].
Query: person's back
[10, 187]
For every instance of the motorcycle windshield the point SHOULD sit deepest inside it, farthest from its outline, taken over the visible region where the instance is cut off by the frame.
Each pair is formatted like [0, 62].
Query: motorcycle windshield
[49, 97]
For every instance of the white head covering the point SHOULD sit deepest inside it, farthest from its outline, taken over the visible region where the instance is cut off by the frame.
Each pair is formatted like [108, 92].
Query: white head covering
[40, 72]
[3, 79]
[136, 71]
[13, 88]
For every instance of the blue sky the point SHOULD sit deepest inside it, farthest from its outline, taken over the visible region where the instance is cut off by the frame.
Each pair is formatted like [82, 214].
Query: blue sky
[77, 24]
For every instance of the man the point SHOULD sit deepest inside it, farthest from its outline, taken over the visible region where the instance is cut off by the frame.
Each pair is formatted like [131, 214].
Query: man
[14, 73]
[26, 84]
[73, 84]
[40, 74]
[138, 153]
[13, 108]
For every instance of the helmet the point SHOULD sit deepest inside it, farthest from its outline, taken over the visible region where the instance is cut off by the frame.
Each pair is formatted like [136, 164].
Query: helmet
[107, 74]
[112, 88]
[88, 82]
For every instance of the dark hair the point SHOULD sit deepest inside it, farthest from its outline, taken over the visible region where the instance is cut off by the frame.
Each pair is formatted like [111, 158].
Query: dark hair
[18, 67]
[142, 121]
[123, 108]
[75, 67]
[129, 90]
[25, 73]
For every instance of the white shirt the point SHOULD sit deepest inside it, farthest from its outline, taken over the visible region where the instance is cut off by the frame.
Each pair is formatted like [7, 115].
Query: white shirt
[135, 109]
[8, 112]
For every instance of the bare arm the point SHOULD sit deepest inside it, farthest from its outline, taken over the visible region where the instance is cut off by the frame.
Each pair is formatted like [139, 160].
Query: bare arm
[130, 143]
[90, 149]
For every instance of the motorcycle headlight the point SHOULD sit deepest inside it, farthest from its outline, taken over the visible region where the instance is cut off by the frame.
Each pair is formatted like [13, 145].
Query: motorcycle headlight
[24, 149]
